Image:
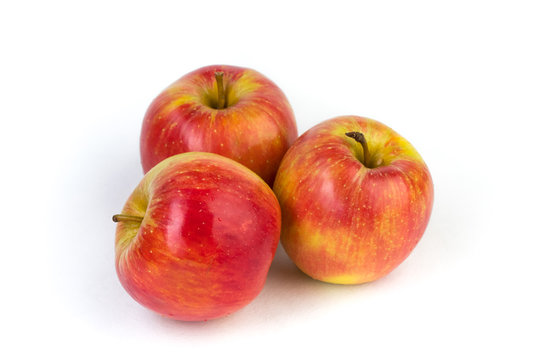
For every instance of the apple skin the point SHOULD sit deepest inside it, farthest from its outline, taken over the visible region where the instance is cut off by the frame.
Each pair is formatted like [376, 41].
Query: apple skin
[256, 128]
[343, 222]
[209, 233]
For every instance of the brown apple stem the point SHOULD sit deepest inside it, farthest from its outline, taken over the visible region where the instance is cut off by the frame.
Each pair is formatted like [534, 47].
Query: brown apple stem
[122, 217]
[359, 137]
[220, 90]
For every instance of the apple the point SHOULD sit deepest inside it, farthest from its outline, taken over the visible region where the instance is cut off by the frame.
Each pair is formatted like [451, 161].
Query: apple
[355, 198]
[232, 111]
[196, 237]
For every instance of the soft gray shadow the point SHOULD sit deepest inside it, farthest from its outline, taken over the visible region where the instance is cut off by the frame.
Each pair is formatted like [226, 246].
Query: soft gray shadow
[288, 290]
[287, 294]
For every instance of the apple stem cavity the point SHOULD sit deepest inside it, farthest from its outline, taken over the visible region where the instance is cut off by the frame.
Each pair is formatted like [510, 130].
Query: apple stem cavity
[220, 90]
[122, 217]
[359, 137]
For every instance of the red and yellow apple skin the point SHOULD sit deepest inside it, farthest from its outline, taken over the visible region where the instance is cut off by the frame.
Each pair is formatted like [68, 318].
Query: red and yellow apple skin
[343, 222]
[209, 232]
[255, 129]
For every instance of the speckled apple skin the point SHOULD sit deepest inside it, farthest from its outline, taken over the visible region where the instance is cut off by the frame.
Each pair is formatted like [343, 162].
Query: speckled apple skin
[346, 223]
[210, 231]
[256, 128]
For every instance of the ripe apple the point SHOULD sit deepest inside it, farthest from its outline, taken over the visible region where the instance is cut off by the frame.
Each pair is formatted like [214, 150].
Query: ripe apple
[227, 110]
[196, 237]
[355, 198]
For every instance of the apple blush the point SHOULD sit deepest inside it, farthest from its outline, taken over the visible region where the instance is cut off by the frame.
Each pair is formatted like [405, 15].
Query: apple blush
[196, 237]
[355, 198]
[232, 111]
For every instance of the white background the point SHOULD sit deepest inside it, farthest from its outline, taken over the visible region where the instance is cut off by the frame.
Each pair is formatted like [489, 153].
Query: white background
[459, 79]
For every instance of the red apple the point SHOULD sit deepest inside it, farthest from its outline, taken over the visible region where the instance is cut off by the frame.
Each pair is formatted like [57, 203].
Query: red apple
[355, 198]
[196, 238]
[227, 110]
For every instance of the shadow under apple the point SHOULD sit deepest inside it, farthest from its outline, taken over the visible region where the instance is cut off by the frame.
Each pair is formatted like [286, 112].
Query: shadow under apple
[288, 295]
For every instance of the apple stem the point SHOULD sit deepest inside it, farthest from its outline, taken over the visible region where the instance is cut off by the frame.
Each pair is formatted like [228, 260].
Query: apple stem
[122, 217]
[220, 90]
[359, 137]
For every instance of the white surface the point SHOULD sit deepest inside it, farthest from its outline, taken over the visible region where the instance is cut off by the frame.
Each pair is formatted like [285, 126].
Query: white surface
[458, 79]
